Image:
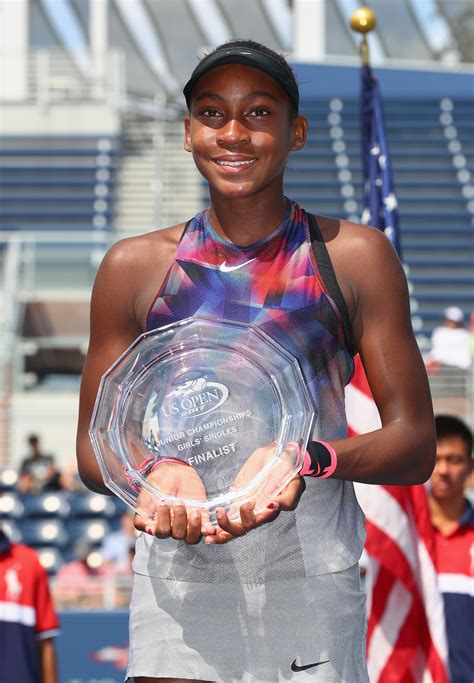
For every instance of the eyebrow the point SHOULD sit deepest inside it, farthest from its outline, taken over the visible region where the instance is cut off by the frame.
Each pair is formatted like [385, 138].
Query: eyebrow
[251, 96]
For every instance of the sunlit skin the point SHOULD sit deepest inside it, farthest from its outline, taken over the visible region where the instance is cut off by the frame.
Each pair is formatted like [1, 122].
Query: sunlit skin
[240, 114]
[453, 467]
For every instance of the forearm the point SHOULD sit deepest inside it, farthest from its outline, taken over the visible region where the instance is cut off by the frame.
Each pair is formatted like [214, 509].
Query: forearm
[88, 467]
[48, 668]
[399, 453]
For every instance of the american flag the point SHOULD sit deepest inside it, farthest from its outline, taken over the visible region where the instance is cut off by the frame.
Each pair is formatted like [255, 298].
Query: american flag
[380, 201]
[406, 639]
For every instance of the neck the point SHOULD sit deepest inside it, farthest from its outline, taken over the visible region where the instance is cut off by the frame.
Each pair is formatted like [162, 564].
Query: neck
[446, 512]
[244, 221]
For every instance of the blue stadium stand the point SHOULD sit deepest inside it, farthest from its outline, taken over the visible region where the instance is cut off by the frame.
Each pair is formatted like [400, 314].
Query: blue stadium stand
[436, 210]
[92, 530]
[58, 182]
[93, 505]
[51, 522]
[11, 506]
[44, 532]
[51, 558]
[12, 530]
[8, 479]
[46, 505]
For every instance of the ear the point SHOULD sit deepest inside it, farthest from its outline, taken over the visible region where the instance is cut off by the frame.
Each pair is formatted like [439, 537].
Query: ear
[300, 131]
[187, 134]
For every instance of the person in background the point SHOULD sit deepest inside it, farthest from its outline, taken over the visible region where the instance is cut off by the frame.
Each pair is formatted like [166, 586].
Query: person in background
[77, 581]
[450, 342]
[452, 516]
[28, 621]
[115, 549]
[69, 478]
[38, 472]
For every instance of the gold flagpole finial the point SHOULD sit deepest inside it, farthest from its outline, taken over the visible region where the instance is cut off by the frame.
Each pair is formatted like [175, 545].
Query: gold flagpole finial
[363, 20]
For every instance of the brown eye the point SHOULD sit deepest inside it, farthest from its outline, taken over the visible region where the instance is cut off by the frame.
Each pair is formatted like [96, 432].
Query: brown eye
[259, 111]
[209, 112]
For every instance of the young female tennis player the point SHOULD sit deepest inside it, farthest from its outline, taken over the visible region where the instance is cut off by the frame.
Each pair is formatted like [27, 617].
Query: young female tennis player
[276, 595]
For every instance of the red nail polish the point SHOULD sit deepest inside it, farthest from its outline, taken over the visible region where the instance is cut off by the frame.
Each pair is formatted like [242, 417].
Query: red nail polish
[273, 506]
[149, 530]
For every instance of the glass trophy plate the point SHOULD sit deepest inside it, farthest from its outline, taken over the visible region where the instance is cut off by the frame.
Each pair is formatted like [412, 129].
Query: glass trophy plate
[222, 398]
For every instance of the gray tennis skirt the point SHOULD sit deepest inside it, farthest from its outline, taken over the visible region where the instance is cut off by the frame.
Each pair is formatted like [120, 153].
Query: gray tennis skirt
[309, 629]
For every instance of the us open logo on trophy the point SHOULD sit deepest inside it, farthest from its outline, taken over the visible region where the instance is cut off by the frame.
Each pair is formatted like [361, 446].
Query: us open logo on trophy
[222, 397]
[195, 397]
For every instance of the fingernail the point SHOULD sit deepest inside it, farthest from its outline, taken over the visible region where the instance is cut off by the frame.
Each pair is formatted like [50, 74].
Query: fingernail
[149, 530]
[195, 514]
[208, 540]
[219, 513]
[273, 506]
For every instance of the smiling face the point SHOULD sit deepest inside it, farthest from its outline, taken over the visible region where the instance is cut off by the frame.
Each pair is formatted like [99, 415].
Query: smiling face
[240, 131]
[453, 466]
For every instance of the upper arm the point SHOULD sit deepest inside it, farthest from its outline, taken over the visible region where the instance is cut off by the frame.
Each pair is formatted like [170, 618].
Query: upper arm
[113, 327]
[382, 331]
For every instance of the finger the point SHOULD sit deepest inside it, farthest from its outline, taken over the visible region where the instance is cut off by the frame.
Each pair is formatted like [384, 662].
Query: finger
[179, 525]
[233, 528]
[139, 523]
[163, 520]
[219, 538]
[267, 515]
[247, 515]
[193, 534]
[281, 472]
[289, 498]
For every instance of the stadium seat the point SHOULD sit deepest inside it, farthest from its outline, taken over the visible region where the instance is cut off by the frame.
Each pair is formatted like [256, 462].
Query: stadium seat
[44, 532]
[93, 530]
[8, 479]
[11, 506]
[51, 558]
[12, 530]
[43, 505]
[92, 505]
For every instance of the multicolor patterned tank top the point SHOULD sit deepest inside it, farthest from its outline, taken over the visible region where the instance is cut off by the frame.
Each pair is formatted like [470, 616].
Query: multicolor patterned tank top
[284, 284]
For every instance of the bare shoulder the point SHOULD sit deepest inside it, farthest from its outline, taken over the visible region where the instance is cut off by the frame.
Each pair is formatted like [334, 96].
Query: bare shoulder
[362, 257]
[351, 239]
[136, 252]
[135, 267]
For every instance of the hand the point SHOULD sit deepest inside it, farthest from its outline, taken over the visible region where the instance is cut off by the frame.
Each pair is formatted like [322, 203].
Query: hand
[159, 518]
[266, 503]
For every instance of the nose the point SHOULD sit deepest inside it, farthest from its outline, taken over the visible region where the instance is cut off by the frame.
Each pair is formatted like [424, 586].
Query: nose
[441, 466]
[232, 133]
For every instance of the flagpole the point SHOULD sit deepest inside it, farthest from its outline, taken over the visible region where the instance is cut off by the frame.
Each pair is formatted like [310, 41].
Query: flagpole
[363, 21]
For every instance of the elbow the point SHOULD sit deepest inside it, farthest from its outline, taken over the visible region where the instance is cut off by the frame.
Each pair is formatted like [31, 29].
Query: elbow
[422, 465]
[86, 480]
[88, 468]
[92, 481]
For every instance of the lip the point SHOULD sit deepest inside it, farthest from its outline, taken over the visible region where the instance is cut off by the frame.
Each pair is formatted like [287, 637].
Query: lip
[234, 164]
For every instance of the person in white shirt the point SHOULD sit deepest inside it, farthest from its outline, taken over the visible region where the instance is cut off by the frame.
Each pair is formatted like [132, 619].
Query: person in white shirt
[450, 342]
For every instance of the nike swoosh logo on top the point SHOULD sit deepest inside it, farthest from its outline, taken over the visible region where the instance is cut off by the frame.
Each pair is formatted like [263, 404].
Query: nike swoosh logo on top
[296, 667]
[227, 269]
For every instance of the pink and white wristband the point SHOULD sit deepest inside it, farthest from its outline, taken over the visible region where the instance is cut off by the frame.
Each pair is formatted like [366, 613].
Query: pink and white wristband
[320, 460]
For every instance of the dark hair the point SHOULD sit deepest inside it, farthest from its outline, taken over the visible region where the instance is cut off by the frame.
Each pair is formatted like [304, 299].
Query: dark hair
[449, 425]
[263, 57]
